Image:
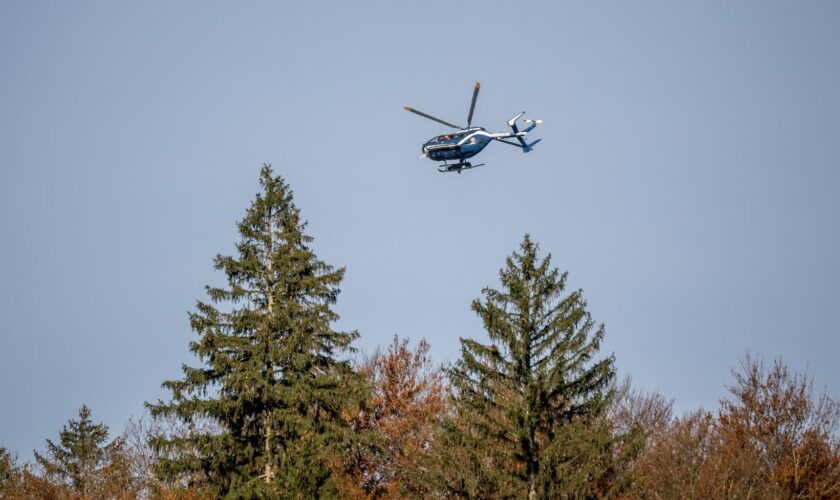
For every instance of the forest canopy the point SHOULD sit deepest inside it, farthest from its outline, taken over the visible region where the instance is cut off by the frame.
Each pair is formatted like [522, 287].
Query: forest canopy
[279, 404]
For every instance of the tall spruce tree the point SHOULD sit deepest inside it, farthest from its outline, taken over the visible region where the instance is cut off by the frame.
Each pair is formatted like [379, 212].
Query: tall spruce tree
[272, 383]
[527, 404]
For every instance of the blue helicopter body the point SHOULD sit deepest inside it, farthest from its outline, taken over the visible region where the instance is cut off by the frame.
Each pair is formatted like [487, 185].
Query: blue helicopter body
[456, 146]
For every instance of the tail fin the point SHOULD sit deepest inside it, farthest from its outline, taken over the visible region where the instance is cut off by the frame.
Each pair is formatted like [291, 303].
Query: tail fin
[529, 147]
[512, 121]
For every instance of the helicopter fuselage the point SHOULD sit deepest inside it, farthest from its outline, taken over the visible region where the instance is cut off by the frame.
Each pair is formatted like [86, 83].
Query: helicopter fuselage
[468, 141]
[457, 146]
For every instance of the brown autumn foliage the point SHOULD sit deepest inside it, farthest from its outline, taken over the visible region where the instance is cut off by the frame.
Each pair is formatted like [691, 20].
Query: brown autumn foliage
[127, 474]
[643, 417]
[113, 481]
[143, 458]
[632, 408]
[773, 439]
[776, 419]
[408, 396]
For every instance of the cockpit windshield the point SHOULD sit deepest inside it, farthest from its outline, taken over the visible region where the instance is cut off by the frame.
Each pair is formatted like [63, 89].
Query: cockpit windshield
[447, 138]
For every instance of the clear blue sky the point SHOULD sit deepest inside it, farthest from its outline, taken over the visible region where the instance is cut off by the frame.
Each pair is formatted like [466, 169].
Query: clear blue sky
[688, 179]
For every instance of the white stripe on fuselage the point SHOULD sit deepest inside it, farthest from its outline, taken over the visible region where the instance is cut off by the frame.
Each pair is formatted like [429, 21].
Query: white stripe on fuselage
[483, 133]
[498, 135]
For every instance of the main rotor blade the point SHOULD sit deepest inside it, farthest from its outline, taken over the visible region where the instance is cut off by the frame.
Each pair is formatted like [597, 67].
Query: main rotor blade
[430, 117]
[472, 105]
[508, 142]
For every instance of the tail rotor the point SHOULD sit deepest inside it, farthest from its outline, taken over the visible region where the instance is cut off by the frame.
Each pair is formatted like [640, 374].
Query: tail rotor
[519, 134]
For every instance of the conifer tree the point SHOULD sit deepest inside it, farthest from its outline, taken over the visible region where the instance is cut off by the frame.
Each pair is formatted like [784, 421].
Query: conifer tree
[81, 457]
[527, 403]
[271, 382]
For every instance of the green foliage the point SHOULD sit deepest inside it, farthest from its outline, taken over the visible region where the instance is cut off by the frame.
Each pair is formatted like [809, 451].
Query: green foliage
[270, 380]
[524, 401]
[82, 459]
[7, 469]
[80, 451]
[5, 463]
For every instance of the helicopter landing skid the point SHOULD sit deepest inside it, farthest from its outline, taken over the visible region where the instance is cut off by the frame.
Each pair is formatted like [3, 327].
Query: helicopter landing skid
[457, 167]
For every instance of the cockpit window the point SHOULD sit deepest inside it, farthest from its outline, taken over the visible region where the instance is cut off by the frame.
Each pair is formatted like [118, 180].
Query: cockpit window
[448, 138]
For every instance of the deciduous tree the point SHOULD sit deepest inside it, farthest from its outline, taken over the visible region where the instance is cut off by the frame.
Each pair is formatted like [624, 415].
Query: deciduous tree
[790, 432]
[408, 397]
[773, 438]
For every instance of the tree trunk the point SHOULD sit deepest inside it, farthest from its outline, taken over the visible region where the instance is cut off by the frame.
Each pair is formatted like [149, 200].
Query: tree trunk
[269, 471]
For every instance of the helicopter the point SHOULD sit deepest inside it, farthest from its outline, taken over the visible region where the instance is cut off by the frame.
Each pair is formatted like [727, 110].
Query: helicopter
[468, 141]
